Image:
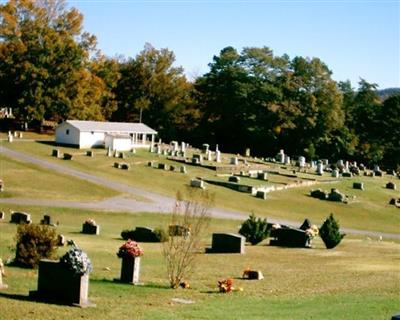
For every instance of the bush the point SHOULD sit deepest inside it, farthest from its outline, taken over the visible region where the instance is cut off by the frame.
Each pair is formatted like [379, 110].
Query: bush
[35, 242]
[161, 234]
[255, 230]
[143, 235]
[330, 233]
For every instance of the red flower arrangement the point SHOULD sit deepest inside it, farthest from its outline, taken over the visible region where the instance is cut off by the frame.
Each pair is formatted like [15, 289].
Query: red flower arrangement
[225, 285]
[130, 249]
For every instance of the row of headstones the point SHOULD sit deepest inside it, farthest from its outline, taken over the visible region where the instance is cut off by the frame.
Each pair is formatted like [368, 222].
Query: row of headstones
[164, 166]
[360, 185]
[16, 134]
[122, 165]
[115, 153]
[57, 153]
[334, 195]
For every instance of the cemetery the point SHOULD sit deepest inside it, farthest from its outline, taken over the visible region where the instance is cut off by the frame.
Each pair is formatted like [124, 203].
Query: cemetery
[287, 254]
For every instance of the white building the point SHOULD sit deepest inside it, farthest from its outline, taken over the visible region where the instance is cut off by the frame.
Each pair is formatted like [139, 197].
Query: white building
[121, 136]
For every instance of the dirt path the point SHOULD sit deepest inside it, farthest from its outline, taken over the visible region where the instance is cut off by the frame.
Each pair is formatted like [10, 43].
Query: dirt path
[154, 202]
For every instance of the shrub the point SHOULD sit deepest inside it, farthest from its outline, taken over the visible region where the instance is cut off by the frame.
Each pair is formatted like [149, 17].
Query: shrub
[330, 233]
[35, 242]
[161, 234]
[255, 230]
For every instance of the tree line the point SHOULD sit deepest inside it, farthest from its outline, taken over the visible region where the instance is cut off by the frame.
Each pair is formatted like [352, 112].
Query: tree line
[51, 69]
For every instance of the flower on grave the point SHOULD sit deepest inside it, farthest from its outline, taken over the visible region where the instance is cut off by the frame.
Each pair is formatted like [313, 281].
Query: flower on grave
[184, 285]
[77, 261]
[129, 249]
[225, 286]
[276, 226]
[246, 272]
[90, 221]
[312, 232]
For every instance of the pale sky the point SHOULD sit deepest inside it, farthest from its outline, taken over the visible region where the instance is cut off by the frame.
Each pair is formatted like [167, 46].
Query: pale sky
[354, 38]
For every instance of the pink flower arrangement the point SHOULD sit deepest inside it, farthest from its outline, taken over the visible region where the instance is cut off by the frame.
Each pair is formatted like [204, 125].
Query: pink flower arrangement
[130, 249]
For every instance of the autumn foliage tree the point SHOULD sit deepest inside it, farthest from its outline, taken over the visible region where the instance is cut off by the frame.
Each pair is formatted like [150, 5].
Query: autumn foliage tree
[45, 66]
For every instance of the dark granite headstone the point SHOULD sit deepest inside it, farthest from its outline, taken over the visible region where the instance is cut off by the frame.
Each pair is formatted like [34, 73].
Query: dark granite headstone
[234, 179]
[88, 228]
[289, 237]
[20, 217]
[306, 225]
[46, 220]
[228, 243]
[144, 234]
[390, 185]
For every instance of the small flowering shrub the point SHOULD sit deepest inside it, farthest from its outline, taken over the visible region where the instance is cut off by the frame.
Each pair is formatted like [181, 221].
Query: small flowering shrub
[77, 261]
[129, 249]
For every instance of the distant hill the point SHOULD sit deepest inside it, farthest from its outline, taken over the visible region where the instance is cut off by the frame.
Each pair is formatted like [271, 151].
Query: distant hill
[386, 93]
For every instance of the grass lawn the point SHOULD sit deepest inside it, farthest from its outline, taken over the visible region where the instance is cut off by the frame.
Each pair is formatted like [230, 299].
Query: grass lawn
[359, 279]
[27, 180]
[369, 210]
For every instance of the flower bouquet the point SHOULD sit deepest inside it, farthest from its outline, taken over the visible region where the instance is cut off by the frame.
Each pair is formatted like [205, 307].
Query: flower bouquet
[130, 249]
[225, 286]
[76, 261]
[312, 232]
[90, 221]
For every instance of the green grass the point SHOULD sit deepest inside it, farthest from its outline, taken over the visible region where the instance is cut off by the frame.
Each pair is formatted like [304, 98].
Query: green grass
[359, 279]
[369, 211]
[25, 180]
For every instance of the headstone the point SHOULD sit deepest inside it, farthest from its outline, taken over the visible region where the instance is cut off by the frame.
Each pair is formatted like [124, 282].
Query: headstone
[197, 183]
[209, 155]
[346, 166]
[252, 275]
[174, 145]
[20, 217]
[183, 169]
[335, 173]
[172, 168]
[89, 153]
[117, 165]
[340, 164]
[261, 194]
[10, 138]
[163, 166]
[197, 159]
[319, 194]
[55, 153]
[280, 157]
[320, 169]
[130, 270]
[2, 285]
[290, 237]
[302, 162]
[15, 134]
[122, 155]
[1, 185]
[183, 147]
[67, 156]
[228, 243]
[358, 185]
[376, 168]
[61, 240]
[234, 179]
[325, 162]
[88, 228]
[109, 152]
[205, 148]
[144, 234]
[347, 174]
[46, 220]
[378, 173]
[234, 161]
[287, 160]
[335, 195]
[217, 156]
[306, 225]
[150, 163]
[247, 152]
[60, 285]
[391, 185]
[2, 215]
[262, 176]
[125, 166]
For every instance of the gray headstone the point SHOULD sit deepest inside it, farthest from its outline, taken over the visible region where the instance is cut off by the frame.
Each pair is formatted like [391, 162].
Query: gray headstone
[261, 194]
[358, 185]
[234, 161]
[197, 183]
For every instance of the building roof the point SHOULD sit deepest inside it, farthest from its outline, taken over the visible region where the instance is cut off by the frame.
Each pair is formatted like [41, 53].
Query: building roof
[119, 127]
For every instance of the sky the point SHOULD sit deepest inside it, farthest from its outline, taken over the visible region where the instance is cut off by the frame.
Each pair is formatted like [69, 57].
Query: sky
[356, 39]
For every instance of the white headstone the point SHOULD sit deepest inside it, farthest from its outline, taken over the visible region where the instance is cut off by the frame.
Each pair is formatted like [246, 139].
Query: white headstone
[209, 155]
[302, 162]
[183, 146]
[10, 138]
[320, 169]
[287, 160]
[217, 155]
[335, 173]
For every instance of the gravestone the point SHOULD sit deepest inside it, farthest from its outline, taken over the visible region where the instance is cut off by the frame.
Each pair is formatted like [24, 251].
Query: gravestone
[172, 168]
[67, 156]
[340, 164]
[2, 215]
[228, 243]
[205, 148]
[163, 166]
[209, 155]
[335, 195]
[150, 163]
[319, 194]
[109, 152]
[183, 169]
[261, 194]
[217, 156]
[117, 165]
[60, 285]
[320, 169]
[20, 135]
[287, 160]
[289, 237]
[378, 173]
[197, 159]
[234, 161]
[55, 153]
[347, 174]
[125, 166]
[358, 185]
[144, 234]
[61, 240]
[306, 225]
[183, 147]
[391, 185]
[20, 217]
[335, 173]
[262, 176]
[252, 275]
[280, 157]
[234, 179]
[46, 220]
[2, 285]
[197, 183]
[1, 185]
[10, 138]
[174, 145]
[88, 228]
[89, 153]
[302, 162]
[247, 152]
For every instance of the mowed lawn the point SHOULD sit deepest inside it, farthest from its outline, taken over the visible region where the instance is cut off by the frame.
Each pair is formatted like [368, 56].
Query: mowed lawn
[26, 180]
[359, 279]
[369, 210]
